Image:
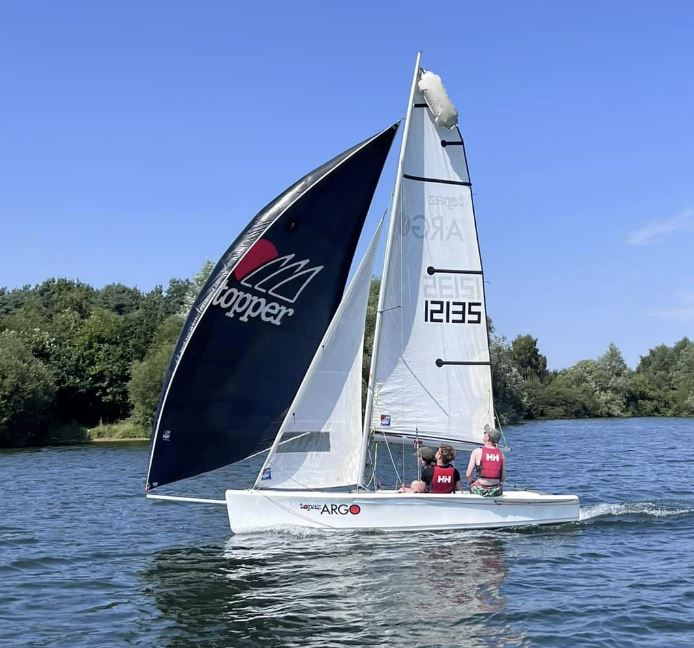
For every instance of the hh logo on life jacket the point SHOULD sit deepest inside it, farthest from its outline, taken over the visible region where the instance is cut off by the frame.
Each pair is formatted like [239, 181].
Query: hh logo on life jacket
[492, 457]
[444, 479]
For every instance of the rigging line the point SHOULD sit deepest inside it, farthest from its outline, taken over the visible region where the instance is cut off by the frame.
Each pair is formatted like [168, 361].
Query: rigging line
[418, 446]
[402, 463]
[370, 460]
[498, 421]
[385, 310]
[177, 498]
[255, 454]
[255, 487]
[374, 479]
[392, 460]
[372, 457]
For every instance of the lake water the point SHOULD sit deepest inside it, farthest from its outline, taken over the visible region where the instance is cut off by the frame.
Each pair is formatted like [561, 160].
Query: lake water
[86, 560]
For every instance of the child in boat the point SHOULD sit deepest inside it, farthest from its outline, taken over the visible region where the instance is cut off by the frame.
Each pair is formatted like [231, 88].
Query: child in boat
[488, 464]
[425, 459]
[445, 477]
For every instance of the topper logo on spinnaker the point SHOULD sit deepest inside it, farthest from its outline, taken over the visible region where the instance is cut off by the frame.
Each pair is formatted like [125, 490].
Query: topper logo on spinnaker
[262, 269]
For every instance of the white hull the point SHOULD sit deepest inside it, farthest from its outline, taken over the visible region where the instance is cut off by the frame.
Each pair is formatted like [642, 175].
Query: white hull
[260, 510]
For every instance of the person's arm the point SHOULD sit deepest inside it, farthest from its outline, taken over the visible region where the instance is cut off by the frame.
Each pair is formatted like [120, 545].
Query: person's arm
[458, 485]
[503, 470]
[469, 473]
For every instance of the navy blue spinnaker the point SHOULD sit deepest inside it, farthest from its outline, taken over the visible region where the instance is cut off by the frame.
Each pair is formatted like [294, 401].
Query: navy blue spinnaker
[257, 322]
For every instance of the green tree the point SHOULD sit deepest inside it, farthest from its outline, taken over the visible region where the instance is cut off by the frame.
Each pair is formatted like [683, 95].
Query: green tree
[142, 324]
[148, 375]
[118, 299]
[603, 384]
[526, 357]
[683, 380]
[561, 399]
[26, 393]
[105, 360]
[13, 300]
[194, 288]
[510, 398]
[662, 381]
[175, 296]
[58, 295]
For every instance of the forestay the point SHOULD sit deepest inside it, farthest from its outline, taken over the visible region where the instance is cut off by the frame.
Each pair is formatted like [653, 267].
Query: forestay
[320, 441]
[431, 374]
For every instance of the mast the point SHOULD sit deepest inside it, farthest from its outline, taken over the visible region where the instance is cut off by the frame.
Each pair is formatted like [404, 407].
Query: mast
[386, 265]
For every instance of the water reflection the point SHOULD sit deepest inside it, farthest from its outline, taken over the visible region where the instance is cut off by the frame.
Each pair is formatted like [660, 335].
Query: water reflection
[317, 589]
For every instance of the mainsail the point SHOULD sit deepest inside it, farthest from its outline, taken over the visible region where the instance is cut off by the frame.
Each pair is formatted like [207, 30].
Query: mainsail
[320, 442]
[228, 388]
[431, 377]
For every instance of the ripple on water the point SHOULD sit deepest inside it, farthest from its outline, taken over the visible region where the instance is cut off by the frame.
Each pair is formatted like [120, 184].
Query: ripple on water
[85, 560]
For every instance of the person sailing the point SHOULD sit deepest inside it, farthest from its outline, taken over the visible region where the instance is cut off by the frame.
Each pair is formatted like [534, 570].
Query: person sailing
[445, 477]
[425, 459]
[488, 462]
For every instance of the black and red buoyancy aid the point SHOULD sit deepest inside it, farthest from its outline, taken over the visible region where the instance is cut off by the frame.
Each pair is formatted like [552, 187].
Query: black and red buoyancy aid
[491, 463]
[443, 480]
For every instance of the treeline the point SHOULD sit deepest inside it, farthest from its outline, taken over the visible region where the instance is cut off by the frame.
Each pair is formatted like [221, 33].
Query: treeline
[661, 385]
[74, 355]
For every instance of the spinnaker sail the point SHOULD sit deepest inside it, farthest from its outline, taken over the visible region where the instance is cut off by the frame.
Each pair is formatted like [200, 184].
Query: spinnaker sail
[229, 383]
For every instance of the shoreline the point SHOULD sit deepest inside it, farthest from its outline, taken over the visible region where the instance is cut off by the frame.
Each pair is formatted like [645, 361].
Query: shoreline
[117, 439]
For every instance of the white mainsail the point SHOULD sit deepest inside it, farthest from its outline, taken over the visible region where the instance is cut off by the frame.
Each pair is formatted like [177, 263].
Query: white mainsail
[320, 442]
[431, 372]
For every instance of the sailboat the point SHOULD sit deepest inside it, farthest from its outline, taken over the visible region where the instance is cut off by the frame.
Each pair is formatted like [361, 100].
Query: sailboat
[270, 357]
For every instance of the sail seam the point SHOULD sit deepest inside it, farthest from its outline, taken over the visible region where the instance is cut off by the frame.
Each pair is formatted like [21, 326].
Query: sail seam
[439, 180]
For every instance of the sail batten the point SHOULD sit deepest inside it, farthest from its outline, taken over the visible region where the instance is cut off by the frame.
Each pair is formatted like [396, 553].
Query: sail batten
[255, 326]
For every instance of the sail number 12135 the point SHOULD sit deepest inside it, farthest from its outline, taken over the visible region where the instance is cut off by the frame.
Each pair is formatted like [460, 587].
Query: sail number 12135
[442, 311]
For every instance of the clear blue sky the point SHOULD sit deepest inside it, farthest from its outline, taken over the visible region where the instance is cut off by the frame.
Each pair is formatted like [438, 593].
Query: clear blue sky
[137, 138]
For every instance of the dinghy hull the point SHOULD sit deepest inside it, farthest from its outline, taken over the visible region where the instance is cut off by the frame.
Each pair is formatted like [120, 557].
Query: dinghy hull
[262, 510]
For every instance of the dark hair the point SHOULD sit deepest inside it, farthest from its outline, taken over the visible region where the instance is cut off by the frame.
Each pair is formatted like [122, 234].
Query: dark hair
[447, 453]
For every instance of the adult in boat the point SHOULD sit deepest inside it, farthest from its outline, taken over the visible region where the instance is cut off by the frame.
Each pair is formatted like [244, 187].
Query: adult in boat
[425, 458]
[445, 477]
[487, 469]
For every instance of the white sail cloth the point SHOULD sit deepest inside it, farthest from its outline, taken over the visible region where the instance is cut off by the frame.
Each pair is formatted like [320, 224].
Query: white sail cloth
[433, 308]
[320, 442]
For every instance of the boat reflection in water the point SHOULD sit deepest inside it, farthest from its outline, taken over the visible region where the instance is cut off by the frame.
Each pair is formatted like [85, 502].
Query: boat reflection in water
[469, 574]
[321, 589]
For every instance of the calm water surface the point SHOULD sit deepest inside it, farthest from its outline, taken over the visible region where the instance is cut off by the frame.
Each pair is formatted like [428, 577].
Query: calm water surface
[85, 560]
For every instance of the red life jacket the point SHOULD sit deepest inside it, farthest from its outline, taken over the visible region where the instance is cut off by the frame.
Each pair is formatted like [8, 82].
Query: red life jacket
[491, 463]
[443, 480]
